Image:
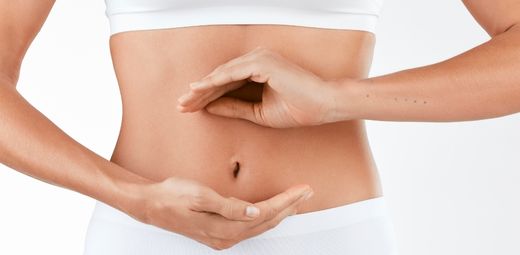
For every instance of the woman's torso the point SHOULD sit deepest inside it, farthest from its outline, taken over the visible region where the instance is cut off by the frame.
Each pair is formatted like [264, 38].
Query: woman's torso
[154, 68]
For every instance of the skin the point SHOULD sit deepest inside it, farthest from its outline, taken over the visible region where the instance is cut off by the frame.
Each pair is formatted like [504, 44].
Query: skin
[480, 83]
[33, 145]
[153, 69]
[168, 164]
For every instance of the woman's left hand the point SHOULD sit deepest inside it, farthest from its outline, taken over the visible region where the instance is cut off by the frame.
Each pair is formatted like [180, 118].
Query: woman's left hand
[292, 96]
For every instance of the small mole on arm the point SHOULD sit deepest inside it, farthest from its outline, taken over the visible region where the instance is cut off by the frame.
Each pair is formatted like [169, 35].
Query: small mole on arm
[236, 170]
[367, 95]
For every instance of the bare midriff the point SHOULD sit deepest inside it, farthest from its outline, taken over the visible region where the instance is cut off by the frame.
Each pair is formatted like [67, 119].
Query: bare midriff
[235, 157]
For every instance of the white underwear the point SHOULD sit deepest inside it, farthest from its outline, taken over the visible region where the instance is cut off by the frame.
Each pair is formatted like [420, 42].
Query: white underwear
[360, 228]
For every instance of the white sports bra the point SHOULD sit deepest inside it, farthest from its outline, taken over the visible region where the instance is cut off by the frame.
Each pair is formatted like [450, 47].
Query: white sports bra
[130, 15]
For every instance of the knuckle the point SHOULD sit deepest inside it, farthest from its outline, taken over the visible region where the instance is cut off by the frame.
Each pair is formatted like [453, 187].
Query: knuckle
[200, 192]
[215, 244]
[211, 79]
[259, 68]
[196, 202]
[198, 198]
[233, 233]
[271, 224]
[258, 113]
[234, 237]
[203, 233]
[227, 244]
[217, 231]
[251, 64]
[219, 68]
[286, 199]
[288, 196]
[211, 231]
[274, 222]
[260, 49]
[234, 108]
[271, 212]
[232, 74]
[263, 52]
[170, 180]
[228, 232]
[266, 55]
[148, 211]
[255, 66]
[225, 234]
[218, 244]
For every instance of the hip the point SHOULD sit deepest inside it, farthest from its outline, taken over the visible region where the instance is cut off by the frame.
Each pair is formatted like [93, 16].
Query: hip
[360, 228]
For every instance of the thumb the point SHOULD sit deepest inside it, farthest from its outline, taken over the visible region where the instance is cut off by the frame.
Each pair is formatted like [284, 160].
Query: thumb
[235, 108]
[230, 208]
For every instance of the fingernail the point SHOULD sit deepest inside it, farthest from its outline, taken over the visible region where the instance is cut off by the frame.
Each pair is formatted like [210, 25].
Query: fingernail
[252, 211]
[194, 85]
[308, 194]
[181, 99]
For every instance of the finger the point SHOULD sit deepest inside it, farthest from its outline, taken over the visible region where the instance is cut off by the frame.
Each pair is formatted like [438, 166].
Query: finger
[240, 59]
[248, 59]
[253, 70]
[235, 108]
[230, 208]
[271, 207]
[206, 97]
[214, 243]
[187, 98]
[266, 225]
[195, 100]
[238, 62]
[284, 203]
[190, 101]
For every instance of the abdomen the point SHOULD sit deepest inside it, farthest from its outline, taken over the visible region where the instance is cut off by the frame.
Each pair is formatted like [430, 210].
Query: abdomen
[236, 157]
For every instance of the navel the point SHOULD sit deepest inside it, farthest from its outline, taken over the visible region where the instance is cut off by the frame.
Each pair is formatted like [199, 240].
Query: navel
[236, 170]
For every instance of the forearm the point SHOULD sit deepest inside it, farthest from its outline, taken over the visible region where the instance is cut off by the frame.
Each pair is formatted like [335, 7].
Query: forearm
[483, 82]
[33, 145]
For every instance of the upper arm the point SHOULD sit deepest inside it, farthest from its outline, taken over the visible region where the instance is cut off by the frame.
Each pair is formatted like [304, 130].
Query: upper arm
[495, 16]
[19, 23]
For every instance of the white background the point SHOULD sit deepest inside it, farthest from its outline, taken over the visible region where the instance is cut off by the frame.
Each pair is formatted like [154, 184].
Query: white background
[452, 188]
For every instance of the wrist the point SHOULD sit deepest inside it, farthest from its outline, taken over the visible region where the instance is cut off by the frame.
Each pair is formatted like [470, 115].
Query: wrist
[345, 99]
[124, 191]
[129, 198]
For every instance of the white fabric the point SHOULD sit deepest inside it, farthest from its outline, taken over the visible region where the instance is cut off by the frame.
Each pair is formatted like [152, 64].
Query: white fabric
[361, 228]
[129, 15]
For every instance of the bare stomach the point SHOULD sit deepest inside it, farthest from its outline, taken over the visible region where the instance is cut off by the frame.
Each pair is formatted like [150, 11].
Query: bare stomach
[233, 156]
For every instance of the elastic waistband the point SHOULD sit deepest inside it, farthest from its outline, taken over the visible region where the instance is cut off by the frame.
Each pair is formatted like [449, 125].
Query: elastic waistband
[364, 18]
[303, 223]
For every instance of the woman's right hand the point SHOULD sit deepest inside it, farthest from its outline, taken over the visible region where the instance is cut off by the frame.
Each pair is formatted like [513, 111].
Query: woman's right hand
[189, 208]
